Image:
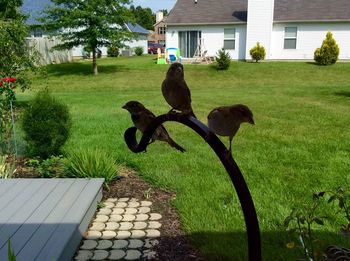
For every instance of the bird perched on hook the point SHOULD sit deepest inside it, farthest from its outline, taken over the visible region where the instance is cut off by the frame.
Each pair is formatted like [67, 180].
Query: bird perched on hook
[226, 120]
[175, 90]
[142, 117]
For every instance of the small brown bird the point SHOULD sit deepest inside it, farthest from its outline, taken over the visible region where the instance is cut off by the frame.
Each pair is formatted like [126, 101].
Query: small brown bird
[226, 120]
[175, 90]
[142, 117]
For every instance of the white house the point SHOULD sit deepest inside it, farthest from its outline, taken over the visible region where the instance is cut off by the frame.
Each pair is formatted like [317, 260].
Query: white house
[288, 29]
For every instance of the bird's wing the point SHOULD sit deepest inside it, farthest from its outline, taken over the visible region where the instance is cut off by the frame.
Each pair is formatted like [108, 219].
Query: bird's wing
[187, 91]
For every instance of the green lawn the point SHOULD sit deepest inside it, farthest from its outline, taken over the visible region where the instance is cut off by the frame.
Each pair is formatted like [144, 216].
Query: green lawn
[299, 145]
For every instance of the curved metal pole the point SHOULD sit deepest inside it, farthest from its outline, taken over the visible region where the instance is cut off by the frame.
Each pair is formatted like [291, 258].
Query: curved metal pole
[247, 204]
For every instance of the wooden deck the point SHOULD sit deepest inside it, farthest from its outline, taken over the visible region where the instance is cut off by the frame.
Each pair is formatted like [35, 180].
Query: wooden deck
[45, 218]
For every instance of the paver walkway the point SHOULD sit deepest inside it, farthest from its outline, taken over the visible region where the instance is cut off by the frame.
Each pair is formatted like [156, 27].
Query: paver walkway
[124, 228]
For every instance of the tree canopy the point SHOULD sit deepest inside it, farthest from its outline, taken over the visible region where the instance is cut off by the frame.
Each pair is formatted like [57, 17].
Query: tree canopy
[89, 23]
[9, 9]
[143, 16]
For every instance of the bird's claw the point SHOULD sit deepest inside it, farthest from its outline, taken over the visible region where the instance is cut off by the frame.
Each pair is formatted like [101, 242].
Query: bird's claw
[172, 111]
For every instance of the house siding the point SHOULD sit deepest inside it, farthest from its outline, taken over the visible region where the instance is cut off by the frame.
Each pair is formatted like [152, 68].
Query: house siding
[213, 38]
[259, 25]
[309, 37]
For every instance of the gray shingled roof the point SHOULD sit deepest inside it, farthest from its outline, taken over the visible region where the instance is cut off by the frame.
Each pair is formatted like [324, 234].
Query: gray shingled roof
[235, 11]
[208, 12]
[312, 10]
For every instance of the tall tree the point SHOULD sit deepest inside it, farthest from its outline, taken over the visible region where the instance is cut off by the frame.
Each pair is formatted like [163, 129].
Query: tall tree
[91, 23]
[143, 16]
[17, 59]
[165, 12]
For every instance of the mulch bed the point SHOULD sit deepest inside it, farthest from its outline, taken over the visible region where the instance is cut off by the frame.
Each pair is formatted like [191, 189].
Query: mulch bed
[174, 245]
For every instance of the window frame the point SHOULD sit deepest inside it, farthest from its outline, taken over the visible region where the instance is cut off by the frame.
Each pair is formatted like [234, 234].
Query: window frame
[290, 37]
[161, 30]
[230, 38]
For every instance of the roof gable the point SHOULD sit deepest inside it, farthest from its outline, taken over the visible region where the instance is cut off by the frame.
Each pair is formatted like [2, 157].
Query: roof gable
[136, 28]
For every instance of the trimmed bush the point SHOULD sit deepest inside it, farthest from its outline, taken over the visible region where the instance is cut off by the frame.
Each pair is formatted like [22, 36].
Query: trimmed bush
[329, 51]
[258, 52]
[113, 51]
[46, 124]
[138, 50]
[223, 60]
[88, 163]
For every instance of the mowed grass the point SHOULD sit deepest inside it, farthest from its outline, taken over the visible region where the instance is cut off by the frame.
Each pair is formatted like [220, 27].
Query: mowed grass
[299, 145]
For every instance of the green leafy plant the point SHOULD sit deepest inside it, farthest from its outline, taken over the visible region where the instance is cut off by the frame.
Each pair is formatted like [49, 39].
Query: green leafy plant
[46, 124]
[329, 51]
[92, 163]
[223, 60]
[258, 52]
[301, 222]
[113, 51]
[53, 167]
[7, 169]
[138, 50]
[10, 253]
[341, 197]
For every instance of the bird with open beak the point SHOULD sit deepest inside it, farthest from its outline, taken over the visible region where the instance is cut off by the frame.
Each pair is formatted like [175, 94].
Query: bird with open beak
[175, 90]
[226, 120]
[142, 117]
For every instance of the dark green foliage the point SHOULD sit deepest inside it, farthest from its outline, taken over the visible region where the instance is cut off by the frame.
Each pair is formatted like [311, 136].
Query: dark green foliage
[93, 23]
[53, 167]
[113, 51]
[46, 123]
[144, 17]
[329, 51]
[258, 52]
[138, 50]
[88, 163]
[223, 60]
[341, 197]
[9, 9]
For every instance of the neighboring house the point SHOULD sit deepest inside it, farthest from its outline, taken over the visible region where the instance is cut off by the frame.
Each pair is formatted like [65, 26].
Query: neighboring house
[34, 9]
[158, 35]
[288, 29]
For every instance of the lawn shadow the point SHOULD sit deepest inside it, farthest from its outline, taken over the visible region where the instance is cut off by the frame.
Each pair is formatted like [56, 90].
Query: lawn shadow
[343, 93]
[76, 68]
[233, 246]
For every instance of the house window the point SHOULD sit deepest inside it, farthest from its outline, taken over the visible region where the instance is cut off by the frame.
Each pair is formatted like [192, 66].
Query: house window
[37, 32]
[161, 30]
[162, 42]
[229, 39]
[290, 38]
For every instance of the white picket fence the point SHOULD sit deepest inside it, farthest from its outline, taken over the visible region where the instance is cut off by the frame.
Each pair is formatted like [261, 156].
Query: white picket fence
[48, 55]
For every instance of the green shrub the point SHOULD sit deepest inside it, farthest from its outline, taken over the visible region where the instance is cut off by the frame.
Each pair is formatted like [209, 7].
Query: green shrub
[113, 51]
[88, 163]
[46, 124]
[223, 60]
[329, 51]
[138, 50]
[53, 167]
[258, 52]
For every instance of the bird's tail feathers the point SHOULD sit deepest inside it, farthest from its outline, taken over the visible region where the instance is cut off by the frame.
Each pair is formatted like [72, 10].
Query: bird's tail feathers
[175, 145]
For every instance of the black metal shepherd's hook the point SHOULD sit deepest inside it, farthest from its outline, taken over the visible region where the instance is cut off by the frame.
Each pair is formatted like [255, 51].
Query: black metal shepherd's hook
[247, 204]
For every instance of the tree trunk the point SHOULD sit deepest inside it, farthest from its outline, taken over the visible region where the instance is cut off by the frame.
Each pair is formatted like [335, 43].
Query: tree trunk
[94, 61]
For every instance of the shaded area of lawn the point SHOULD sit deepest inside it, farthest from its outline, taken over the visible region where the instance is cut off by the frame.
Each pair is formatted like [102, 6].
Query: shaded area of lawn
[299, 145]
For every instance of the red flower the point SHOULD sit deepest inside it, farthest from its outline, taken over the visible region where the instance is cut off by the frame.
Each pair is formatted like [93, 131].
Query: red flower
[8, 79]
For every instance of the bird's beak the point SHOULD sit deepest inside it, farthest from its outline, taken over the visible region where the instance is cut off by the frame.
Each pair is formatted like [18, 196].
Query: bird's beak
[124, 107]
[251, 121]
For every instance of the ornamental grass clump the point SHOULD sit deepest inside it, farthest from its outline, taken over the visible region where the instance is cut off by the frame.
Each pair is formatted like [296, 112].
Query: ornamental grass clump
[258, 52]
[329, 51]
[46, 124]
[138, 50]
[92, 163]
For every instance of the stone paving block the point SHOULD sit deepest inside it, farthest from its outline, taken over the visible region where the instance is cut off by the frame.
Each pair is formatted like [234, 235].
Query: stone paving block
[120, 243]
[155, 216]
[130, 210]
[100, 255]
[123, 234]
[84, 255]
[104, 244]
[154, 225]
[129, 217]
[144, 210]
[88, 244]
[104, 211]
[123, 199]
[125, 225]
[116, 254]
[151, 242]
[137, 234]
[153, 233]
[121, 205]
[93, 235]
[149, 254]
[118, 211]
[97, 226]
[132, 255]
[133, 204]
[141, 217]
[101, 218]
[108, 234]
[112, 226]
[113, 200]
[135, 243]
[146, 203]
[108, 205]
[140, 225]
[115, 218]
